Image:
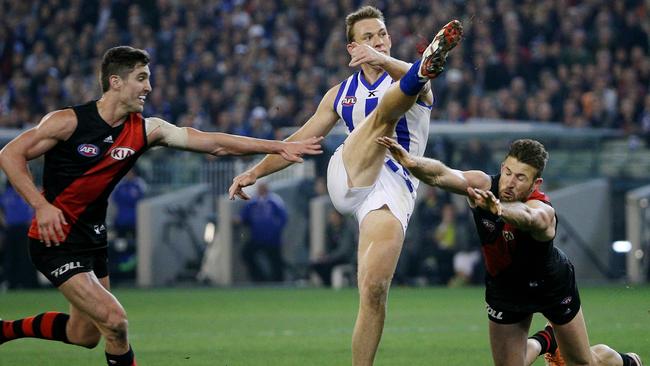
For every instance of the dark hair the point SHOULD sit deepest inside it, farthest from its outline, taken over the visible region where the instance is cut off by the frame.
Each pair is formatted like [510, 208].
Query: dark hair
[364, 12]
[529, 152]
[120, 61]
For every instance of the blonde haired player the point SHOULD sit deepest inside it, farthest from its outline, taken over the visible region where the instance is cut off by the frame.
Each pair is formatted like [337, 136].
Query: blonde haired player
[387, 97]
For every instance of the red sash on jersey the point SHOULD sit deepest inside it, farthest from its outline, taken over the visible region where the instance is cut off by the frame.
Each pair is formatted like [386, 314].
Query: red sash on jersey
[87, 188]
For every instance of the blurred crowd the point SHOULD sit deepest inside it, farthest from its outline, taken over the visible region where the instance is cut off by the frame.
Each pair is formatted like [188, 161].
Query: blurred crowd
[252, 66]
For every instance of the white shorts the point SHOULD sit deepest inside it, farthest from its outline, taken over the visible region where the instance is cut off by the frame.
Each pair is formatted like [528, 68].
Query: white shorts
[393, 188]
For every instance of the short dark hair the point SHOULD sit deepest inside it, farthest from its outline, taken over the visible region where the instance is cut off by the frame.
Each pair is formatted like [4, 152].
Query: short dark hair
[529, 152]
[364, 12]
[120, 60]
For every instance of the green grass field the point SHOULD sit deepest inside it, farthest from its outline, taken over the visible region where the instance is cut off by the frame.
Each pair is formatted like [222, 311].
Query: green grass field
[428, 326]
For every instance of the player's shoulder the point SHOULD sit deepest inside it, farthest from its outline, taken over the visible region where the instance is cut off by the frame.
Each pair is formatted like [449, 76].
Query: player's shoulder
[62, 120]
[540, 202]
[349, 80]
[540, 196]
[58, 125]
[338, 86]
[341, 85]
[331, 94]
[61, 115]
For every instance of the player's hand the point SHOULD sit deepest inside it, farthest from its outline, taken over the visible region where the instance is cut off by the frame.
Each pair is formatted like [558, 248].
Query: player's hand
[293, 151]
[245, 179]
[399, 153]
[485, 200]
[364, 54]
[50, 221]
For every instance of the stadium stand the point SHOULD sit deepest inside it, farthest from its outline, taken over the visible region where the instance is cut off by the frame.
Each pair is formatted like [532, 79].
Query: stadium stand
[581, 63]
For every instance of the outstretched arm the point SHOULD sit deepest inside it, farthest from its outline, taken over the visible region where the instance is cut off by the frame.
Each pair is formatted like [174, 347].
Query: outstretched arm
[54, 127]
[319, 124]
[533, 216]
[434, 172]
[160, 132]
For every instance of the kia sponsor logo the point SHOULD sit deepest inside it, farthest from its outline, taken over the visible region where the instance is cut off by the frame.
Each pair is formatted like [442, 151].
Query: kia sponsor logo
[121, 153]
[88, 150]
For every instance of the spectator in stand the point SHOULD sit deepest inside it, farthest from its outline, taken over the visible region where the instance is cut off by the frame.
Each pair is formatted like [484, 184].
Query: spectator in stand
[265, 215]
[128, 192]
[445, 241]
[340, 243]
[258, 126]
[16, 217]
[563, 50]
[122, 249]
[417, 263]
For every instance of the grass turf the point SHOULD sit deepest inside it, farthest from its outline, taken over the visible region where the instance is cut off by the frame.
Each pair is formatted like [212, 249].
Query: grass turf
[280, 326]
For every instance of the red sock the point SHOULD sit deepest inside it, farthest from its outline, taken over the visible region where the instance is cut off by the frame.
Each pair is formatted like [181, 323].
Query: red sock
[50, 325]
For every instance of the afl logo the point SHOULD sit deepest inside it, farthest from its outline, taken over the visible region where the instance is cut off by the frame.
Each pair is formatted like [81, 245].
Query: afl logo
[349, 100]
[121, 153]
[88, 150]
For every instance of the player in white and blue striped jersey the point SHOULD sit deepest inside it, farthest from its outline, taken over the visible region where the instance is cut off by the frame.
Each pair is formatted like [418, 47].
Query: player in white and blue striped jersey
[386, 97]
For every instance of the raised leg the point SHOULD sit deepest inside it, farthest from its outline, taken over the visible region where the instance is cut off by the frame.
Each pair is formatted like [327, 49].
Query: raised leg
[362, 156]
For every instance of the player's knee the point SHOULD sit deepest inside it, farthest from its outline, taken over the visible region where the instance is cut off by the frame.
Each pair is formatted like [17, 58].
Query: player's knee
[117, 325]
[375, 292]
[118, 330]
[600, 349]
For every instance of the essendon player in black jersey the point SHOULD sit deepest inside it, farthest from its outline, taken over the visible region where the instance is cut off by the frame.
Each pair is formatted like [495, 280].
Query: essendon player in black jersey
[526, 274]
[87, 149]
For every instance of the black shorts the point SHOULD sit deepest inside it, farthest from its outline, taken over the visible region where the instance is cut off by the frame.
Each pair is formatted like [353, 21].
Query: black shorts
[560, 313]
[58, 264]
